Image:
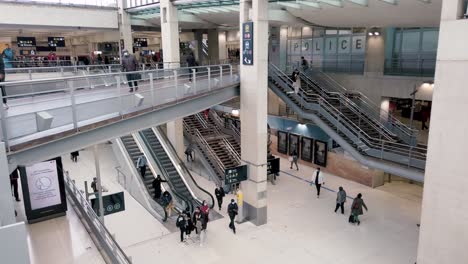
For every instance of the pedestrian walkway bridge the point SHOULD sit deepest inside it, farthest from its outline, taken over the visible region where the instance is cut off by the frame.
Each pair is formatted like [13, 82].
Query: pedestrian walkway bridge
[48, 117]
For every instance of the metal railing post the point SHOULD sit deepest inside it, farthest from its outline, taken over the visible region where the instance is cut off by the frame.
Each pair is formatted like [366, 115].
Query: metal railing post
[151, 88]
[4, 124]
[176, 83]
[61, 71]
[73, 105]
[209, 78]
[220, 75]
[110, 68]
[30, 74]
[230, 71]
[194, 79]
[119, 92]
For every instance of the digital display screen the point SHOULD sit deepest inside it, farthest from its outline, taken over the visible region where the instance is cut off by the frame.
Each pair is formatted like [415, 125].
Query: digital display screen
[140, 42]
[56, 41]
[43, 184]
[26, 41]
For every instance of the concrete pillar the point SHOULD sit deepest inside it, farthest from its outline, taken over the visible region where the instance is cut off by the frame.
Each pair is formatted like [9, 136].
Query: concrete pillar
[7, 208]
[375, 55]
[223, 54]
[213, 46]
[199, 56]
[171, 57]
[283, 47]
[125, 27]
[443, 234]
[170, 34]
[254, 88]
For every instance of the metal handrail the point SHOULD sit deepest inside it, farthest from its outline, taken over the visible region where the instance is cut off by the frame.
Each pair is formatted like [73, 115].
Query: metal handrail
[401, 148]
[202, 143]
[165, 173]
[232, 151]
[112, 248]
[71, 67]
[164, 219]
[353, 107]
[373, 107]
[184, 168]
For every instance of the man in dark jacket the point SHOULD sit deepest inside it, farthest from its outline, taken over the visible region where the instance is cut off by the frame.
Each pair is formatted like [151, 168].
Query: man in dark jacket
[219, 192]
[340, 200]
[130, 64]
[14, 184]
[181, 223]
[157, 186]
[191, 62]
[2, 79]
[232, 211]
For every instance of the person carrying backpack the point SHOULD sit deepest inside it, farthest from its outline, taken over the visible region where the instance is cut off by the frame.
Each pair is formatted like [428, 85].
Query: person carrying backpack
[232, 211]
[181, 223]
[356, 209]
[219, 193]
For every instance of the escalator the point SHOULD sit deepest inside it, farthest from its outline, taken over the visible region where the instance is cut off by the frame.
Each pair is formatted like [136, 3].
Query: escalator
[134, 152]
[379, 152]
[174, 171]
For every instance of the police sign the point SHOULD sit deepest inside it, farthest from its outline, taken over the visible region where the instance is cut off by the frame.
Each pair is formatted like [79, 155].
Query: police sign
[235, 175]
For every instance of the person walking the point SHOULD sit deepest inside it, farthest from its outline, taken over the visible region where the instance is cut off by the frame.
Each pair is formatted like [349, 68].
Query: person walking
[340, 199]
[424, 117]
[188, 153]
[318, 179]
[232, 212]
[14, 184]
[2, 79]
[304, 64]
[205, 212]
[141, 165]
[293, 159]
[190, 225]
[196, 218]
[191, 62]
[296, 79]
[356, 208]
[219, 193]
[74, 156]
[130, 64]
[168, 203]
[181, 223]
[157, 186]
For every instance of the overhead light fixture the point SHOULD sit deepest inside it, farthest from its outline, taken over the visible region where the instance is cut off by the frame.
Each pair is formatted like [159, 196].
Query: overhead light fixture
[235, 112]
[374, 32]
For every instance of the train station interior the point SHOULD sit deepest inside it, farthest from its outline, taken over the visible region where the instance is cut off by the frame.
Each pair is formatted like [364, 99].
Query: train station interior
[233, 131]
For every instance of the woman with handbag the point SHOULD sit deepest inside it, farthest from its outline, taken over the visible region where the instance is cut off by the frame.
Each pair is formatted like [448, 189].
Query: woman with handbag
[356, 208]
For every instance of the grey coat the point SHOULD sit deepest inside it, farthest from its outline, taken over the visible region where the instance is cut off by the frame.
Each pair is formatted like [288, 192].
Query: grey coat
[356, 207]
[341, 197]
[129, 63]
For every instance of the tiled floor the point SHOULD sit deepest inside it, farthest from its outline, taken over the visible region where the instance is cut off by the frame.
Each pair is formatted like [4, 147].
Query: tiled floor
[300, 228]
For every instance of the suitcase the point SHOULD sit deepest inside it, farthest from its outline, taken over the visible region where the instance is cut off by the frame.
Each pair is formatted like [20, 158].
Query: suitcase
[351, 219]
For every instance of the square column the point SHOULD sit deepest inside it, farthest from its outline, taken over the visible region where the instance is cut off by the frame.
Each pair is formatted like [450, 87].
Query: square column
[222, 36]
[443, 234]
[125, 28]
[213, 46]
[171, 58]
[7, 207]
[253, 113]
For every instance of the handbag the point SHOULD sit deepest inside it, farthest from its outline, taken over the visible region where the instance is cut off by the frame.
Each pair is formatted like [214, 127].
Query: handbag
[290, 158]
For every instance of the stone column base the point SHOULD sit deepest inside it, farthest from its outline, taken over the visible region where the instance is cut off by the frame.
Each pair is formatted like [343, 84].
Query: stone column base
[258, 216]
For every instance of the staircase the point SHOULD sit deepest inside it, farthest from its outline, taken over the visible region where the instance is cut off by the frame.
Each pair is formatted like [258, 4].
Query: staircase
[346, 123]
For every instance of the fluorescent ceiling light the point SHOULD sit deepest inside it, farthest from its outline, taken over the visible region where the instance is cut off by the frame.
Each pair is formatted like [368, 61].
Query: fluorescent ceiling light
[392, 2]
[360, 2]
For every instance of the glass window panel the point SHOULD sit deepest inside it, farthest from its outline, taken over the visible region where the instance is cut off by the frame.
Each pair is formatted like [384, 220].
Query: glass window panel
[397, 44]
[410, 41]
[344, 32]
[306, 32]
[331, 31]
[430, 40]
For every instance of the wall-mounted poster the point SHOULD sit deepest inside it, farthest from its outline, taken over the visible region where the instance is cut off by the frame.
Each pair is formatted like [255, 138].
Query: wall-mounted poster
[320, 153]
[43, 190]
[293, 143]
[282, 142]
[306, 149]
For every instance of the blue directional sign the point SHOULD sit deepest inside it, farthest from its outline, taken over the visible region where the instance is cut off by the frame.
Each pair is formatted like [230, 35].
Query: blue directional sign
[247, 43]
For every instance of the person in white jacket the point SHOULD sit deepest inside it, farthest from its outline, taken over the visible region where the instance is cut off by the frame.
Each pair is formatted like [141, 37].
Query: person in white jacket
[318, 178]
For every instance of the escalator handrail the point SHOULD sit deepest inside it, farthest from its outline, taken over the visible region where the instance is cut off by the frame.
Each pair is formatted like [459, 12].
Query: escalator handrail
[165, 173]
[119, 171]
[184, 168]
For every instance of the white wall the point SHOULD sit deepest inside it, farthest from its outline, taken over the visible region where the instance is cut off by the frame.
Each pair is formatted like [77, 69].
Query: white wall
[18, 14]
[14, 244]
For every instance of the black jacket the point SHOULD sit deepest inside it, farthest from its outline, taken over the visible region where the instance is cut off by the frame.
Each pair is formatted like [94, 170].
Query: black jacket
[233, 209]
[181, 222]
[2, 68]
[157, 183]
[219, 193]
